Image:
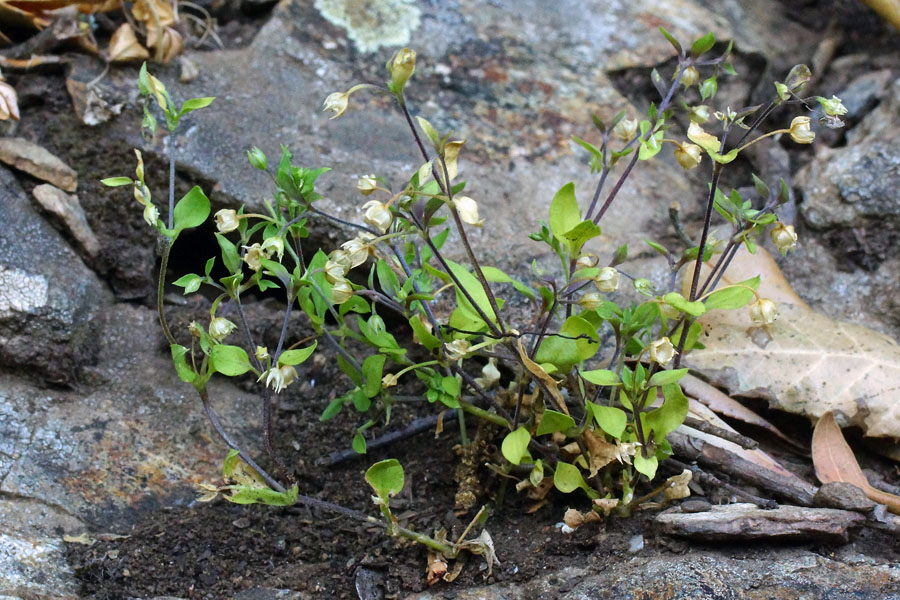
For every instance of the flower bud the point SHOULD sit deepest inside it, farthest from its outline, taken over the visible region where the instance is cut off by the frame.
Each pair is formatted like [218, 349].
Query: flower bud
[625, 129]
[262, 354]
[590, 301]
[389, 380]
[366, 184]
[700, 114]
[226, 220]
[763, 312]
[688, 155]
[377, 215]
[341, 292]
[662, 351]
[833, 107]
[257, 159]
[456, 349]
[800, 131]
[195, 329]
[690, 77]
[468, 211]
[607, 280]
[784, 237]
[336, 103]
[252, 256]
[401, 68]
[219, 328]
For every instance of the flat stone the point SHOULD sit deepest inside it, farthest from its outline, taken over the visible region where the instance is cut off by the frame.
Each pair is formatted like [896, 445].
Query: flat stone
[748, 522]
[844, 496]
[48, 298]
[68, 209]
[27, 156]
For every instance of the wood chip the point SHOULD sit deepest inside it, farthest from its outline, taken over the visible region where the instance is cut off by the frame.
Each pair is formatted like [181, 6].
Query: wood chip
[35, 160]
[68, 209]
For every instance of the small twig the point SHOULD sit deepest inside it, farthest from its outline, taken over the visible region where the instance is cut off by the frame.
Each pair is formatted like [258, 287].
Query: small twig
[731, 436]
[702, 477]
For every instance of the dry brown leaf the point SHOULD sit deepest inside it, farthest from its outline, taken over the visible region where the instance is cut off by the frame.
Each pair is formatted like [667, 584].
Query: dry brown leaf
[806, 362]
[154, 12]
[834, 462]
[124, 45]
[602, 452]
[543, 377]
[168, 45]
[575, 519]
[888, 9]
[723, 404]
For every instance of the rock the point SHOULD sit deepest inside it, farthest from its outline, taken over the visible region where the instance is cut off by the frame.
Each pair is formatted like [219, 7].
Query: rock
[695, 506]
[864, 92]
[791, 574]
[68, 209]
[48, 298]
[844, 496]
[34, 160]
[748, 522]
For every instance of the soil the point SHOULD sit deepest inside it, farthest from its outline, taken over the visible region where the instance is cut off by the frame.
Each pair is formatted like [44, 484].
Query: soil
[215, 550]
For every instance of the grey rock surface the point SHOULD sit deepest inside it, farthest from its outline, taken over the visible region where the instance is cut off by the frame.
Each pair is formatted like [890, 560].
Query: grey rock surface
[49, 300]
[67, 208]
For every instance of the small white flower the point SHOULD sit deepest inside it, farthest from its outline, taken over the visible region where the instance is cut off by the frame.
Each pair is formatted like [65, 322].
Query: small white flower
[341, 292]
[336, 103]
[763, 312]
[377, 215]
[591, 301]
[607, 280]
[226, 220]
[337, 265]
[274, 379]
[220, 327]
[288, 374]
[468, 211]
[625, 129]
[366, 184]
[271, 246]
[490, 375]
[624, 452]
[389, 381]
[252, 256]
[456, 349]
[784, 237]
[690, 76]
[358, 249]
[688, 155]
[151, 215]
[833, 107]
[662, 351]
[800, 131]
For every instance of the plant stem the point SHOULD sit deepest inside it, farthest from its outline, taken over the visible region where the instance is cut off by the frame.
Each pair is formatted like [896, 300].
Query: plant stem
[160, 289]
[171, 178]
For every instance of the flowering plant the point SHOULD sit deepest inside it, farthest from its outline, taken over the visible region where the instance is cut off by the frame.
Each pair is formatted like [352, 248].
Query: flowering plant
[575, 414]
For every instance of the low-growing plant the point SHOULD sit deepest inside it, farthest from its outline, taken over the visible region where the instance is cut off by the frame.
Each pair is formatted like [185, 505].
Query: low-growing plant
[568, 412]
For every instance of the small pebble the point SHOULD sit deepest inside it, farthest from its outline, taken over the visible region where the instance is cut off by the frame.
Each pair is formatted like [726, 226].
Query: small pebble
[636, 544]
[695, 506]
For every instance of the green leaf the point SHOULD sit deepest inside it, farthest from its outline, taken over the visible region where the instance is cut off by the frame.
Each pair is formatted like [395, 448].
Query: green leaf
[372, 371]
[116, 181]
[471, 284]
[515, 445]
[703, 44]
[228, 360]
[495, 275]
[581, 234]
[672, 40]
[359, 443]
[192, 210]
[262, 495]
[733, 297]
[564, 352]
[675, 299]
[646, 466]
[661, 378]
[194, 104]
[670, 415]
[333, 408]
[564, 212]
[567, 479]
[386, 478]
[601, 377]
[708, 88]
[611, 420]
[427, 339]
[184, 370]
[553, 421]
[387, 278]
[295, 357]
[190, 283]
[230, 255]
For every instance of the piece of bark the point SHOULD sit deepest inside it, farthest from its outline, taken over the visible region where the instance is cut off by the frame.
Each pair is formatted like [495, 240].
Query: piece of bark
[748, 522]
[787, 486]
[68, 209]
[845, 496]
[35, 160]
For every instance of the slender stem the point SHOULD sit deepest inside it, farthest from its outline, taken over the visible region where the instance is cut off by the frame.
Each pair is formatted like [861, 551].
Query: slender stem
[617, 187]
[171, 178]
[247, 334]
[347, 356]
[160, 289]
[484, 414]
[217, 425]
[707, 219]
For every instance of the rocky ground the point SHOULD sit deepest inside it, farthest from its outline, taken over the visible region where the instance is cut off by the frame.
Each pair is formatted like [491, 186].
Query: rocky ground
[99, 437]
